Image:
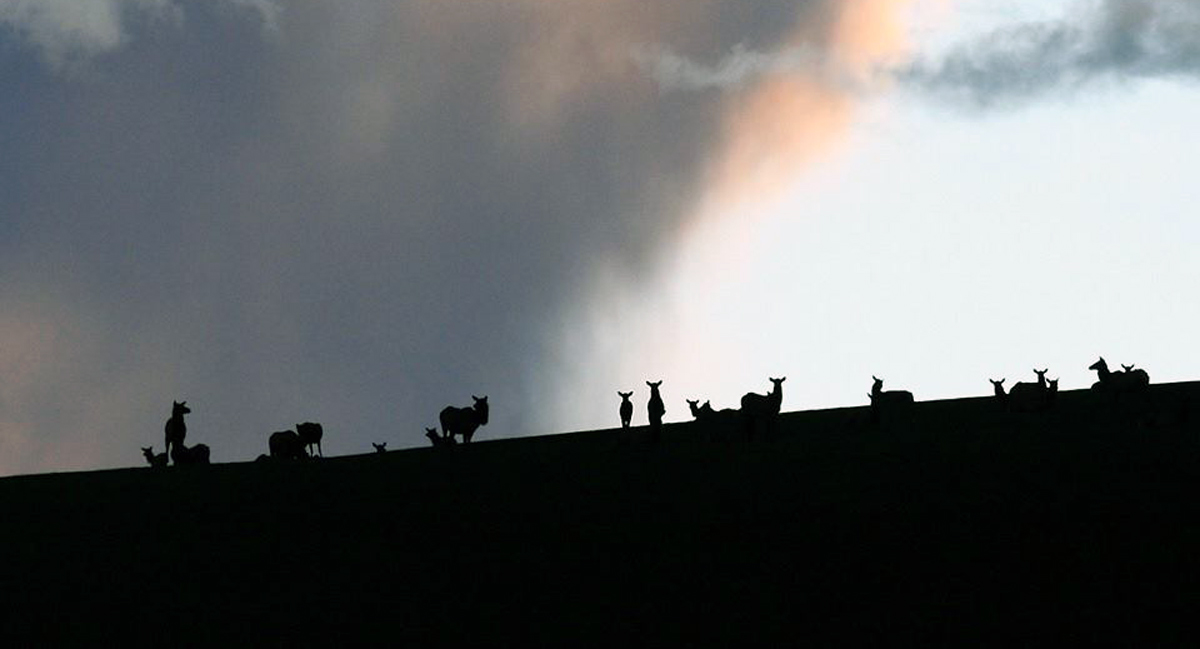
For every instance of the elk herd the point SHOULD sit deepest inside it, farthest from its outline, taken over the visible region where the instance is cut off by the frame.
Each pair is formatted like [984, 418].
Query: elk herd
[756, 415]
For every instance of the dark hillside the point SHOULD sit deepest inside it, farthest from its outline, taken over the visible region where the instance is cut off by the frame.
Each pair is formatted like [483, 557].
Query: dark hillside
[965, 523]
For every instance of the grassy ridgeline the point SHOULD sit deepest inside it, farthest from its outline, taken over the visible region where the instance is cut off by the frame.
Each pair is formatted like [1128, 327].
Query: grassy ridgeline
[963, 523]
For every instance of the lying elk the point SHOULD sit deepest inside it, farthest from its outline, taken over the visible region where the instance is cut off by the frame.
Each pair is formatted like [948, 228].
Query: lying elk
[889, 404]
[154, 460]
[1025, 394]
[182, 455]
[439, 440]
[1035, 398]
[1129, 380]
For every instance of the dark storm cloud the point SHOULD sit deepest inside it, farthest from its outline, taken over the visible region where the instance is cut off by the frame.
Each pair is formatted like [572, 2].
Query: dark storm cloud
[355, 212]
[1097, 42]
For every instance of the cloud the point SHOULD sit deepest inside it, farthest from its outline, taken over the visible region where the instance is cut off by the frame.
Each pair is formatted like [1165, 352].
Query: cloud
[71, 30]
[1110, 41]
[385, 209]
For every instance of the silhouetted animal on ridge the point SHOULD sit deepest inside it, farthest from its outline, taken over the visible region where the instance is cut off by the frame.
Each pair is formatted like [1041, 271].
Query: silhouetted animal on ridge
[998, 388]
[380, 448]
[626, 408]
[438, 440]
[1130, 380]
[890, 398]
[1026, 394]
[892, 403]
[310, 435]
[154, 460]
[700, 412]
[762, 408]
[286, 445]
[1035, 398]
[182, 455]
[656, 409]
[464, 421]
[175, 427]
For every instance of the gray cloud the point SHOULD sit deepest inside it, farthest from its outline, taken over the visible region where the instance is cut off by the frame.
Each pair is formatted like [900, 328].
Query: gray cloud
[1097, 42]
[377, 212]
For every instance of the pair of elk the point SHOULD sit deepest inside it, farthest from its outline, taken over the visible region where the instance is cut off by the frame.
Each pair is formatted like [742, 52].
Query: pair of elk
[655, 407]
[297, 444]
[175, 431]
[1128, 380]
[1028, 396]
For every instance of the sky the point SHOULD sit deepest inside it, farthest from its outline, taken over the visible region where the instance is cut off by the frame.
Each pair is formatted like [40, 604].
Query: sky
[359, 212]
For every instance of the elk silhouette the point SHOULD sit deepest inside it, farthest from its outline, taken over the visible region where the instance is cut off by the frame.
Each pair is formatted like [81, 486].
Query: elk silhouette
[762, 408]
[286, 445]
[998, 388]
[1025, 394]
[438, 440]
[1034, 397]
[380, 448]
[700, 412]
[310, 434]
[889, 404]
[626, 410]
[158, 460]
[175, 428]
[1128, 380]
[182, 455]
[464, 421]
[656, 408]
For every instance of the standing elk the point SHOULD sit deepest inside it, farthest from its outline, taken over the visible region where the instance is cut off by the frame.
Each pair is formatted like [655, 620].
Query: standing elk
[464, 421]
[656, 409]
[626, 410]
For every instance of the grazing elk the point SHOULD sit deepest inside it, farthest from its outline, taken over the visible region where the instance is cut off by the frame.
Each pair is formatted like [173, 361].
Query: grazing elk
[626, 410]
[762, 408]
[439, 440]
[154, 460]
[286, 445]
[464, 421]
[380, 448]
[310, 435]
[656, 408]
[182, 455]
[175, 428]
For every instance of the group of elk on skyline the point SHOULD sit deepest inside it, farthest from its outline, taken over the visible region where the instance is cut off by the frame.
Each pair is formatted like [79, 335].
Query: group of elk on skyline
[757, 413]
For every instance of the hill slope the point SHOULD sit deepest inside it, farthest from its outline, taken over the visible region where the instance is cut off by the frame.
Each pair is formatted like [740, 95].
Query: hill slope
[962, 523]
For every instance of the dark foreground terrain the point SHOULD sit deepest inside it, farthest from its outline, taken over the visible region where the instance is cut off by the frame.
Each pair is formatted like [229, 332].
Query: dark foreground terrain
[963, 523]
